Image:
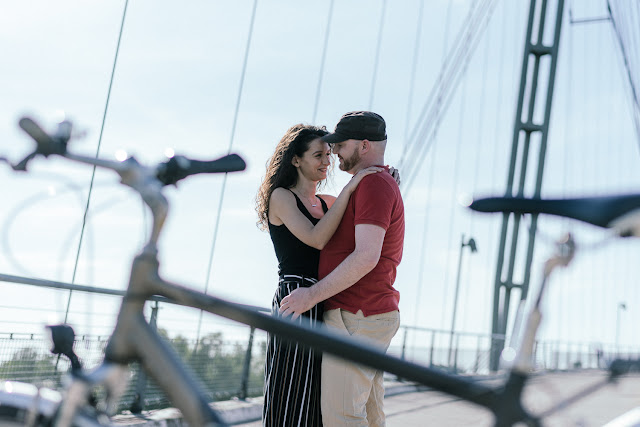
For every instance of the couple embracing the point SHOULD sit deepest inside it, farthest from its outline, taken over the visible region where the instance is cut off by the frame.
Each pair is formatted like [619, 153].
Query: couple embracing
[337, 266]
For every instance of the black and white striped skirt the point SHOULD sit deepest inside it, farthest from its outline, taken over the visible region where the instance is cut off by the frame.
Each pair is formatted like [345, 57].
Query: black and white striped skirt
[292, 373]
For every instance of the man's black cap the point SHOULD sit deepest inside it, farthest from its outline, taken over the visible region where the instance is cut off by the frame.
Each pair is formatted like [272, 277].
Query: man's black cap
[358, 125]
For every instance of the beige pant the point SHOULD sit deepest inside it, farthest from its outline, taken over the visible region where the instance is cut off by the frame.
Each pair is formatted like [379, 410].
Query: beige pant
[352, 394]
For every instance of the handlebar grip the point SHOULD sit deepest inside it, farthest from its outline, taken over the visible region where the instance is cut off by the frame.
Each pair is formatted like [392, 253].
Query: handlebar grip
[230, 163]
[180, 167]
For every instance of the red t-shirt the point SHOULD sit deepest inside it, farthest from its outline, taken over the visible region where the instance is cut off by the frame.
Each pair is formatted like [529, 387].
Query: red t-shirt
[376, 200]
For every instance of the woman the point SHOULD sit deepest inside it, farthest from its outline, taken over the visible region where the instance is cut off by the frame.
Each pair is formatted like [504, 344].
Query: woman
[300, 223]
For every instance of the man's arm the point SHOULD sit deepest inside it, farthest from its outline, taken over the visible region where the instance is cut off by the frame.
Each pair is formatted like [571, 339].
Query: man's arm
[361, 261]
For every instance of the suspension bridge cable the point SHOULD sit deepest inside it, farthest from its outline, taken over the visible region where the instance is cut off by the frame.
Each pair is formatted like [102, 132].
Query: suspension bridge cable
[224, 179]
[481, 113]
[605, 293]
[451, 61]
[322, 61]
[434, 96]
[377, 59]
[603, 148]
[430, 181]
[562, 313]
[453, 83]
[453, 210]
[584, 178]
[412, 79]
[95, 209]
[626, 60]
[439, 99]
[93, 172]
[498, 121]
[406, 131]
[478, 143]
[423, 246]
[633, 65]
[499, 96]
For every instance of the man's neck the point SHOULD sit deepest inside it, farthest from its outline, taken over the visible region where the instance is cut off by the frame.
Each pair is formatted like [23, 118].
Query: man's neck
[366, 163]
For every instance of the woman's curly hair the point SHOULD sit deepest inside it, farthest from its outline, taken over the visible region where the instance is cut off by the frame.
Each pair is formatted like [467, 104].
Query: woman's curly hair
[280, 170]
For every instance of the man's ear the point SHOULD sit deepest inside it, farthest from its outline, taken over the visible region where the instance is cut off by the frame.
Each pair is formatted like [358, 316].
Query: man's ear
[366, 146]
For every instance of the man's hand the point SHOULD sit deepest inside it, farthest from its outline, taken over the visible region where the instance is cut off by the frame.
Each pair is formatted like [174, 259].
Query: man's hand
[296, 303]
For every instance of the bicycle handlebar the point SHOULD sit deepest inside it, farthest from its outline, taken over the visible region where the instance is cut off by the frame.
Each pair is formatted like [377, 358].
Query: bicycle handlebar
[620, 212]
[147, 181]
[167, 173]
[180, 167]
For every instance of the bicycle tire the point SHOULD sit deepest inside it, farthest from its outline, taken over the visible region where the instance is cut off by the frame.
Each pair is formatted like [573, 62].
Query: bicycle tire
[24, 404]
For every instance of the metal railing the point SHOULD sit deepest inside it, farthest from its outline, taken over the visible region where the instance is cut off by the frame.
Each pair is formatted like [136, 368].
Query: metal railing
[233, 368]
[226, 368]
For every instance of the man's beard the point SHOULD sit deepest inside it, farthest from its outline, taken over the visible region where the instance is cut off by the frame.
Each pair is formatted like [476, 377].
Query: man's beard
[350, 163]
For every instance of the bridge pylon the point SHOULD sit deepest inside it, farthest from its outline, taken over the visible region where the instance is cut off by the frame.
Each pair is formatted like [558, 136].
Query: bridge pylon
[527, 134]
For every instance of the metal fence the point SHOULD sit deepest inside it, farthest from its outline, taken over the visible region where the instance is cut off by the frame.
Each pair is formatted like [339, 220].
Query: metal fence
[226, 369]
[233, 368]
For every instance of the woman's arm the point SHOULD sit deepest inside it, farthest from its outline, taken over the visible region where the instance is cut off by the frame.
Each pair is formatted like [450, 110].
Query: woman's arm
[282, 206]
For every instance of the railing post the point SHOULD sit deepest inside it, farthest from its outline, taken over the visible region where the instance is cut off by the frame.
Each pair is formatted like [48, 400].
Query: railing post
[404, 347]
[246, 369]
[476, 365]
[455, 354]
[404, 343]
[137, 406]
[433, 344]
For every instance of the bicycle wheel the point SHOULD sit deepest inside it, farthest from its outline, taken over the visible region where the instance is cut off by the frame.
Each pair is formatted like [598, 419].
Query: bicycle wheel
[24, 404]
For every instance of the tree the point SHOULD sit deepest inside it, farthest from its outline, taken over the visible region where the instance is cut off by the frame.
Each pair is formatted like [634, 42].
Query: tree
[28, 365]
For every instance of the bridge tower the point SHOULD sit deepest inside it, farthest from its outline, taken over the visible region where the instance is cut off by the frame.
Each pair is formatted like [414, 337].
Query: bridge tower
[528, 135]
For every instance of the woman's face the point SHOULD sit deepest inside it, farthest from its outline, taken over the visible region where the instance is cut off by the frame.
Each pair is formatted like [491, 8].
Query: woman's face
[315, 161]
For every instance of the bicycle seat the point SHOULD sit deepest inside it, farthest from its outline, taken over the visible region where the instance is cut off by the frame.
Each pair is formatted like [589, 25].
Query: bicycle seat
[606, 211]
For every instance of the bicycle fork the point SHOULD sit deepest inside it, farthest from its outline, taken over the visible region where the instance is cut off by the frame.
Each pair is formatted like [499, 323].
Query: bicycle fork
[522, 357]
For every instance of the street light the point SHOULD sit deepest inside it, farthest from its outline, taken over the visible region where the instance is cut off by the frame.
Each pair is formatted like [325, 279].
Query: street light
[621, 307]
[471, 243]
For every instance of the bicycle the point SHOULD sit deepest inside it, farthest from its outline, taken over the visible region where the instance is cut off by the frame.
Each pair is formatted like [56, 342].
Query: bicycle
[133, 339]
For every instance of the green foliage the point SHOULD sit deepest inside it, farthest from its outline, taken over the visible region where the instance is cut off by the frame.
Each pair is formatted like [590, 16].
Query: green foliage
[28, 365]
[218, 364]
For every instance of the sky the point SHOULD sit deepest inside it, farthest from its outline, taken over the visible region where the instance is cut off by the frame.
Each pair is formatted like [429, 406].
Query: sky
[204, 78]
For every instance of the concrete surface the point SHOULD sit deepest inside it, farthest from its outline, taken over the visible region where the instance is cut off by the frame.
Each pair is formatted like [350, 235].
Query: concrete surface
[408, 405]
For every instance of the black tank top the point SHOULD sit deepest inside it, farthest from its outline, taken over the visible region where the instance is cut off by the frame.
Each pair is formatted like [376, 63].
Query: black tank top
[295, 257]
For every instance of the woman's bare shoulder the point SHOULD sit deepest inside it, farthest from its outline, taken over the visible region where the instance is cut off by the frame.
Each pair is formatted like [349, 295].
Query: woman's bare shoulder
[280, 202]
[281, 194]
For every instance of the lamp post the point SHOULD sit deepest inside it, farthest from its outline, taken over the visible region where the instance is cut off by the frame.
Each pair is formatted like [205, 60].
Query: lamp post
[471, 243]
[621, 307]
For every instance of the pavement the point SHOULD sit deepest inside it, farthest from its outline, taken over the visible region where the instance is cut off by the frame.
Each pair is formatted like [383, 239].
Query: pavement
[408, 405]
[234, 412]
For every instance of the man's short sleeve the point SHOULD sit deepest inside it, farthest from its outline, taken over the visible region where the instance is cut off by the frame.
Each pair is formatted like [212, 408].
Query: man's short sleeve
[373, 201]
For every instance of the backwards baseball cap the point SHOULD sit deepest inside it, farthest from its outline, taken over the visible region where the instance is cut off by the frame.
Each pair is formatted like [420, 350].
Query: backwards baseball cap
[358, 125]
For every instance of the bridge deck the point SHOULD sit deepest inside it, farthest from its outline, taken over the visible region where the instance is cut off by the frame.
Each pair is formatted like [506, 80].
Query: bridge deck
[433, 408]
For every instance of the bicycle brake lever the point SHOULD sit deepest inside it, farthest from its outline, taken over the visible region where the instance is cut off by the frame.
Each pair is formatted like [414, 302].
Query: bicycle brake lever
[46, 144]
[62, 339]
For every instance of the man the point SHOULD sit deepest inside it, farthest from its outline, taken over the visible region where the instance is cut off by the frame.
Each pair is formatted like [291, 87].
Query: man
[357, 271]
